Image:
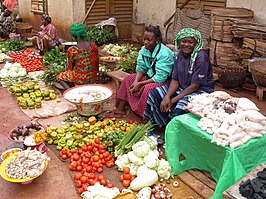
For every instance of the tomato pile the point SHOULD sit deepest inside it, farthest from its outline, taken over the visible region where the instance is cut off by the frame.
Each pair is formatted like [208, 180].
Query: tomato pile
[126, 177]
[28, 59]
[88, 161]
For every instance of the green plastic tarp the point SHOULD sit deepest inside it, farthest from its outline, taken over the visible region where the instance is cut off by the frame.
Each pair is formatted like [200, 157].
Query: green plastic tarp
[226, 165]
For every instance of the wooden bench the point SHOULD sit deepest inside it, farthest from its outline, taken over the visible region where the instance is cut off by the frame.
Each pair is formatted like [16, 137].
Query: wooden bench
[118, 77]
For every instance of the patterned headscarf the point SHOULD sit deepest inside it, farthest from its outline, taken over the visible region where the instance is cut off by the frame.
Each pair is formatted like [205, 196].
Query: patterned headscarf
[78, 30]
[47, 18]
[189, 32]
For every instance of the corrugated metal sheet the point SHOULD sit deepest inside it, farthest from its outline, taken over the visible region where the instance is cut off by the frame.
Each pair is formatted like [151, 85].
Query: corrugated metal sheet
[205, 5]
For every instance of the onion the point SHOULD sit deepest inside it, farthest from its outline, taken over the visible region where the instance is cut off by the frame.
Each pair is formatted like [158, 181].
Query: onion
[175, 184]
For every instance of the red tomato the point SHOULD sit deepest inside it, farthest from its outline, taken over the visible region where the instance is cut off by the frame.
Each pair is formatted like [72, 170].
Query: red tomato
[69, 154]
[131, 121]
[89, 169]
[100, 177]
[91, 182]
[89, 143]
[83, 179]
[103, 182]
[102, 151]
[126, 183]
[78, 184]
[106, 154]
[121, 178]
[132, 177]
[72, 168]
[75, 157]
[87, 155]
[74, 164]
[101, 146]
[109, 164]
[97, 153]
[97, 140]
[96, 158]
[79, 168]
[64, 156]
[85, 186]
[80, 190]
[79, 151]
[126, 176]
[126, 170]
[77, 175]
[64, 151]
[85, 160]
[109, 185]
[92, 176]
[84, 148]
[99, 169]
[89, 148]
[94, 149]
[60, 153]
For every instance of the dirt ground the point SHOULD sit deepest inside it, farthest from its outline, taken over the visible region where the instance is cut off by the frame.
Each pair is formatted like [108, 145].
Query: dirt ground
[56, 181]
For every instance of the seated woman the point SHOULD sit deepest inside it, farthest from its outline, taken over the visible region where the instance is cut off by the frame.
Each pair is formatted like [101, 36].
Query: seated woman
[82, 60]
[192, 75]
[154, 66]
[46, 37]
[7, 24]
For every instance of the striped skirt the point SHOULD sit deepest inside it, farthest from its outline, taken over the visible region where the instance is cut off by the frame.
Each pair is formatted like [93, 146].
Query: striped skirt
[152, 111]
[137, 101]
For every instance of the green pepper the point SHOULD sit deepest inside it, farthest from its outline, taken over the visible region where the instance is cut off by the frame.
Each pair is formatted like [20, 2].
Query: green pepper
[55, 142]
[68, 136]
[62, 140]
[59, 148]
[81, 144]
[53, 134]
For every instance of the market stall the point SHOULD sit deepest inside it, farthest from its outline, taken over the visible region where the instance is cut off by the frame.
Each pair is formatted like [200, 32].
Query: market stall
[225, 164]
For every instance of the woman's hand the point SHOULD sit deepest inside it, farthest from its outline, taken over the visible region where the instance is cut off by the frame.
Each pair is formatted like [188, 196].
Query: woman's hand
[134, 87]
[166, 104]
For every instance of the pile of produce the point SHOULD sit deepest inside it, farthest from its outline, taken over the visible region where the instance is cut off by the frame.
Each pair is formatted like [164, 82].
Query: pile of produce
[12, 45]
[29, 95]
[28, 164]
[22, 131]
[12, 71]
[99, 35]
[255, 188]
[77, 134]
[232, 121]
[88, 161]
[120, 51]
[35, 139]
[54, 63]
[28, 59]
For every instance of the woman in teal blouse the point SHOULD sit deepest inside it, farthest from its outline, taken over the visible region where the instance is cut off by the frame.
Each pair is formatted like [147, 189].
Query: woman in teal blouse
[154, 67]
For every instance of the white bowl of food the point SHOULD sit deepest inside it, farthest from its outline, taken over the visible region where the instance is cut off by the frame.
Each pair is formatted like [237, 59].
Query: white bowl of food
[89, 99]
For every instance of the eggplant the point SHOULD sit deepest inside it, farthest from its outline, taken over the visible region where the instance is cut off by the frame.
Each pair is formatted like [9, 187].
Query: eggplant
[25, 132]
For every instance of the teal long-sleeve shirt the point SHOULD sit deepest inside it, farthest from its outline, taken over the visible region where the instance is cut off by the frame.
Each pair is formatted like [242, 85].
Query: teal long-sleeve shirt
[163, 66]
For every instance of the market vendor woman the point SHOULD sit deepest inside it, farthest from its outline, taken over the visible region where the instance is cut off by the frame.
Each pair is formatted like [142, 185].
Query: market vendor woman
[192, 75]
[47, 36]
[82, 60]
[154, 66]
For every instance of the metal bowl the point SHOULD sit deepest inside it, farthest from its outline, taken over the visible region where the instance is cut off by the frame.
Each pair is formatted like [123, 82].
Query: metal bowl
[89, 99]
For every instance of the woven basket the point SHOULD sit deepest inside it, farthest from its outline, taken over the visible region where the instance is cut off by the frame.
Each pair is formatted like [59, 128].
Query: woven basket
[232, 78]
[24, 29]
[258, 71]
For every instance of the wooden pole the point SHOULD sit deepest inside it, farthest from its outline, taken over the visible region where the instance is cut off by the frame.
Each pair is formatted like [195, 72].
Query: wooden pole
[88, 12]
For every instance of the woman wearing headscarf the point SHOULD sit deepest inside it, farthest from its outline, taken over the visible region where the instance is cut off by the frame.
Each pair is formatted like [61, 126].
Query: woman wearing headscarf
[47, 36]
[192, 75]
[82, 59]
[154, 66]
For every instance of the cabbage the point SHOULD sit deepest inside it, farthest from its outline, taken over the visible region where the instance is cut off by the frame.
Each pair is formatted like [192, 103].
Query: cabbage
[8, 65]
[141, 149]
[22, 72]
[13, 74]
[151, 160]
[17, 65]
[134, 159]
[122, 161]
[151, 141]
[142, 169]
[133, 169]
[164, 169]
[4, 73]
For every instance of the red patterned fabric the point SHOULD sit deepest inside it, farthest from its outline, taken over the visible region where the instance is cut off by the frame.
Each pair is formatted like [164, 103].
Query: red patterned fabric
[82, 65]
[138, 100]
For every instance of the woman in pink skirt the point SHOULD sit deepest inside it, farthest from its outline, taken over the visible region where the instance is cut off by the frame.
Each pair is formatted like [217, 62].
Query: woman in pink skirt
[154, 67]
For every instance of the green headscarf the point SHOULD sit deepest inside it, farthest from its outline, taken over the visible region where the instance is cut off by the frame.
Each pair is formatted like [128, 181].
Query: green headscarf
[189, 32]
[78, 30]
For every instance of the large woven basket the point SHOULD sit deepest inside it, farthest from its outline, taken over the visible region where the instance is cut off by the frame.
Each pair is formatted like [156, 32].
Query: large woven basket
[24, 29]
[232, 78]
[258, 70]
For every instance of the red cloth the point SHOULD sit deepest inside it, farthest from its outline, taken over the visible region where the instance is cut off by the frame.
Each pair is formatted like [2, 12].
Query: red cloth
[138, 100]
[10, 4]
